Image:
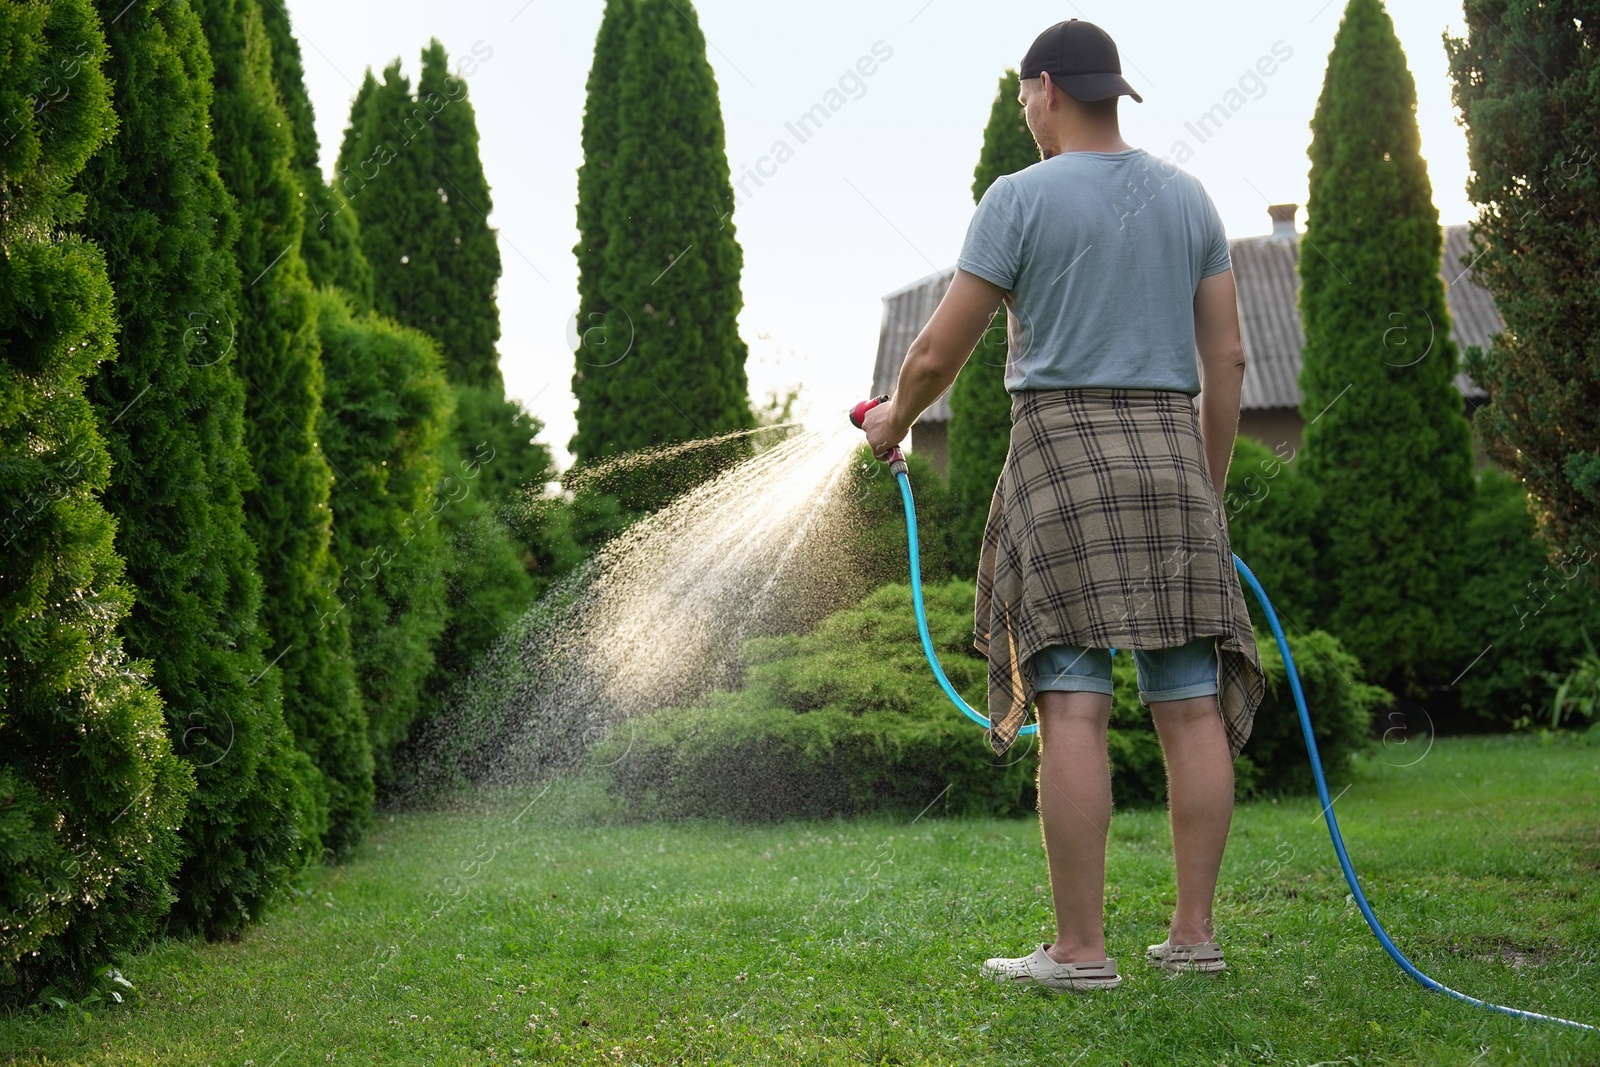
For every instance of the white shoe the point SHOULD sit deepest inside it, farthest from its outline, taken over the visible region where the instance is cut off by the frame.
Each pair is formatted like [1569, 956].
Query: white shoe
[1205, 956]
[1039, 969]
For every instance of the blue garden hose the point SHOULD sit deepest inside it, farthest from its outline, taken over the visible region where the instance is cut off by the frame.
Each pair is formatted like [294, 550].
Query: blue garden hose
[1305, 728]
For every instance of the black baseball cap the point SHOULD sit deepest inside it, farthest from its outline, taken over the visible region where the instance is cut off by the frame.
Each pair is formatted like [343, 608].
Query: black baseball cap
[1081, 58]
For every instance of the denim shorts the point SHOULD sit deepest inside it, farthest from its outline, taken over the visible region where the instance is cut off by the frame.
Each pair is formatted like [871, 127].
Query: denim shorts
[1164, 673]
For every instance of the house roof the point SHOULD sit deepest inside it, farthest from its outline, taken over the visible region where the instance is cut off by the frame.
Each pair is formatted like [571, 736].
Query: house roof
[905, 312]
[1267, 272]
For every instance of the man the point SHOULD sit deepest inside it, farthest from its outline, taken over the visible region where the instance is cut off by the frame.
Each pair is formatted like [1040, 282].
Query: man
[1106, 529]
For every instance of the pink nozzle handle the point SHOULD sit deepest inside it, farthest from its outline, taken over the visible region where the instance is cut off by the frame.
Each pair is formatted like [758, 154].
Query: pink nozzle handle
[859, 413]
[896, 459]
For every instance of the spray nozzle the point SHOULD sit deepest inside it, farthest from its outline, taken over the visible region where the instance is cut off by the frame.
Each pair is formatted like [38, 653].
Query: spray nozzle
[858, 413]
[896, 459]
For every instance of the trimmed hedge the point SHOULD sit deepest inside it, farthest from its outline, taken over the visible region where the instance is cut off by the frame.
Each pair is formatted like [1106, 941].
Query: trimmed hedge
[839, 721]
[846, 719]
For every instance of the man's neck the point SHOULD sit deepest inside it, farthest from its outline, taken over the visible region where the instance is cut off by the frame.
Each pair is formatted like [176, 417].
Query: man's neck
[1097, 139]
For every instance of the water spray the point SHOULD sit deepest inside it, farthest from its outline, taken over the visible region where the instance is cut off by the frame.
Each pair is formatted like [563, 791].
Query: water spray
[897, 465]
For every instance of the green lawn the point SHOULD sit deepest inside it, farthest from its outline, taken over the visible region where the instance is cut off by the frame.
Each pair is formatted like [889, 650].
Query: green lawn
[550, 936]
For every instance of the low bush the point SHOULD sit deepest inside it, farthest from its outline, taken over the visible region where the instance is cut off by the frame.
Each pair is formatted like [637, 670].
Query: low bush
[1521, 612]
[842, 720]
[1340, 704]
[1577, 697]
[847, 719]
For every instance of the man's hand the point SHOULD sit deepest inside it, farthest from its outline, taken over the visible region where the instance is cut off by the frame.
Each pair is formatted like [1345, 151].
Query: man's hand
[883, 433]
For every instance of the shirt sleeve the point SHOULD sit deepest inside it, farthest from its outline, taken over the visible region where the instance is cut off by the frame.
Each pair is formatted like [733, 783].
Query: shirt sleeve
[1218, 258]
[993, 246]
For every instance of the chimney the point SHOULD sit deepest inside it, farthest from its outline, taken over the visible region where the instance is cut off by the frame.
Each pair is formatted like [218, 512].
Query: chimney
[1282, 216]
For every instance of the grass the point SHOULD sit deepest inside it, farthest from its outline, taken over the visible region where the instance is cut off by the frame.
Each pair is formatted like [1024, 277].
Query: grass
[549, 937]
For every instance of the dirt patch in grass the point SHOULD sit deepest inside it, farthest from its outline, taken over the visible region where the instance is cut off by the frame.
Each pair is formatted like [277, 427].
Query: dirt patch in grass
[1517, 955]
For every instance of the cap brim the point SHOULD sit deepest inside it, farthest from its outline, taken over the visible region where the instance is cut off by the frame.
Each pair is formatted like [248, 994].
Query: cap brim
[1089, 87]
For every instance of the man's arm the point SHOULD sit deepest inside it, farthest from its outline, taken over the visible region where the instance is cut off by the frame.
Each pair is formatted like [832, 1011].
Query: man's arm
[934, 358]
[1216, 335]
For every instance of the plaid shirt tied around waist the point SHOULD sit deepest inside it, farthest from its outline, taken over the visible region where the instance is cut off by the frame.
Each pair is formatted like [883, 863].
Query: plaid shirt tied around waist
[1105, 531]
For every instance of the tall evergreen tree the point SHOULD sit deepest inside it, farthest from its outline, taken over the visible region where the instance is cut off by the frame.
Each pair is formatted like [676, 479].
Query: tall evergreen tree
[466, 318]
[172, 411]
[409, 166]
[426, 231]
[90, 792]
[980, 407]
[331, 245]
[660, 264]
[279, 360]
[1527, 81]
[460, 265]
[605, 334]
[1386, 443]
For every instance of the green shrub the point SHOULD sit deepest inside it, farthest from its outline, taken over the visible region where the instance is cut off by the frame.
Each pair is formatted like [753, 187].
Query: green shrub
[847, 719]
[386, 417]
[436, 265]
[1577, 696]
[842, 720]
[877, 515]
[513, 481]
[1520, 613]
[280, 360]
[1271, 510]
[1341, 708]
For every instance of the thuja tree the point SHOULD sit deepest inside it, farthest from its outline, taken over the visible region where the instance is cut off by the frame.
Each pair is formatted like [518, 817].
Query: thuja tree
[465, 252]
[386, 416]
[1386, 442]
[409, 166]
[91, 794]
[425, 211]
[980, 407]
[171, 408]
[660, 359]
[331, 246]
[1527, 81]
[280, 363]
[598, 346]
[604, 332]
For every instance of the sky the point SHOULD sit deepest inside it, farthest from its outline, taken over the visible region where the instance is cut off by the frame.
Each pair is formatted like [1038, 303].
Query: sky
[881, 195]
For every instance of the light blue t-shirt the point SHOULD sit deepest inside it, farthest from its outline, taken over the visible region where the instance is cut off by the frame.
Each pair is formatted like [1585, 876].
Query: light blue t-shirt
[1101, 253]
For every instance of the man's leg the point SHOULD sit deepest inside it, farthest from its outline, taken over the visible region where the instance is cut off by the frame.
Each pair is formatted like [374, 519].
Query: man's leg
[1075, 812]
[1200, 791]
